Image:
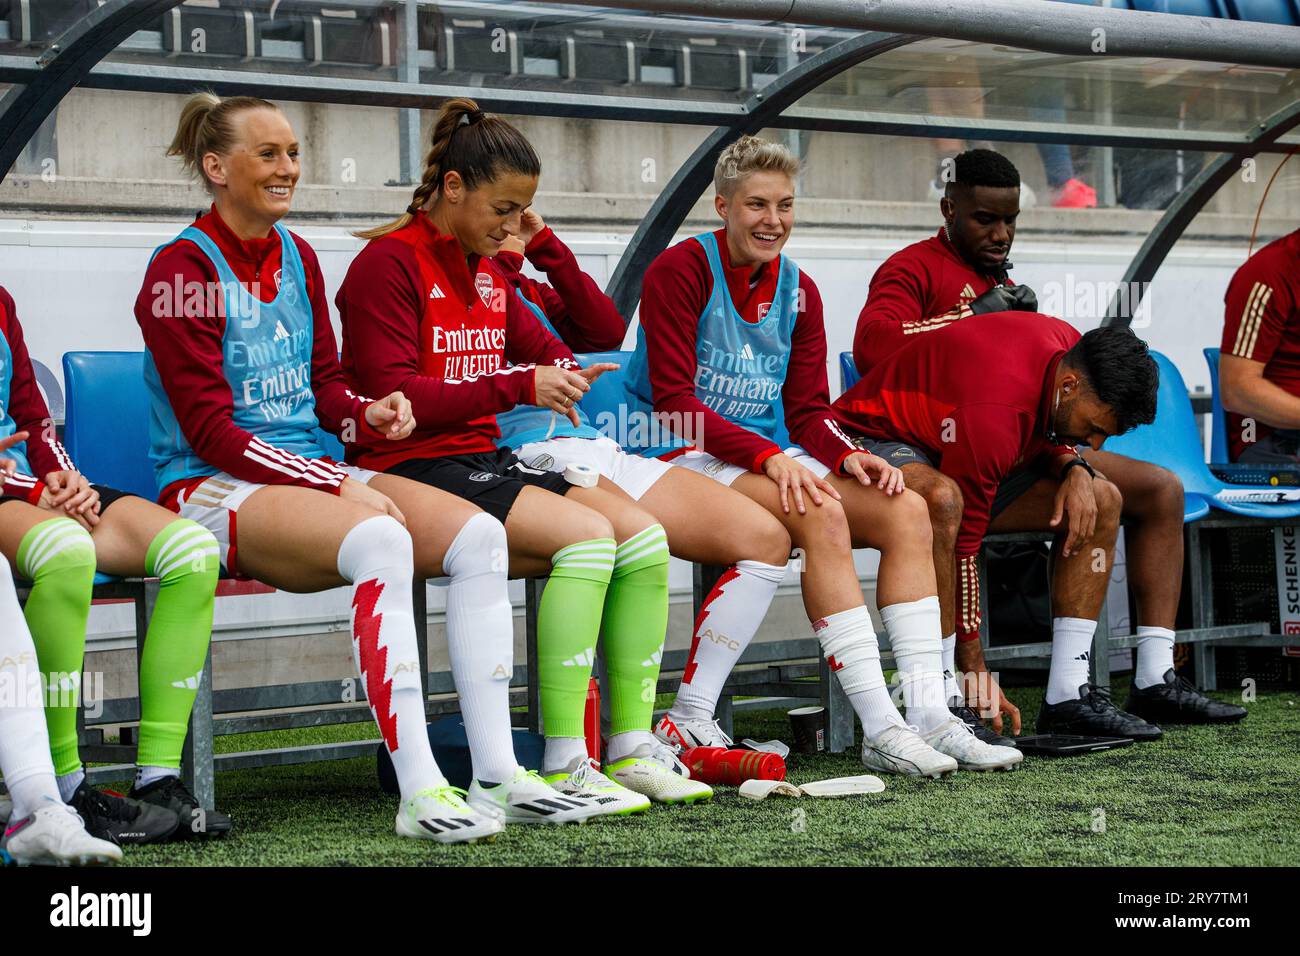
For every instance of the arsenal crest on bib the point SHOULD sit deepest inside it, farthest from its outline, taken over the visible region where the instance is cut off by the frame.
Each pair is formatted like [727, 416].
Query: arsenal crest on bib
[483, 283]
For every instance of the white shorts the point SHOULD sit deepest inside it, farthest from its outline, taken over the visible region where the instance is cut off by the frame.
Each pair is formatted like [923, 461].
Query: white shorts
[634, 474]
[214, 501]
[726, 473]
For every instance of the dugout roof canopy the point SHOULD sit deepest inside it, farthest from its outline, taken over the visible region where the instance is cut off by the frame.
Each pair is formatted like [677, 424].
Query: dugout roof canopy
[1037, 71]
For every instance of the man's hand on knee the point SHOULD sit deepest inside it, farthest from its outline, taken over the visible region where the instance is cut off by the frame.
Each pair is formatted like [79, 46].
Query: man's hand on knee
[1076, 501]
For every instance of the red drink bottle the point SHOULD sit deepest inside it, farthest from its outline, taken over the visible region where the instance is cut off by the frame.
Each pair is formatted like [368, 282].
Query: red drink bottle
[732, 767]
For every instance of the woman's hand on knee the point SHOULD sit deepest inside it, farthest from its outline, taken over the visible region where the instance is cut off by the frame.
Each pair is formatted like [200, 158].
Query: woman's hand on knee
[792, 477]
[363, 494]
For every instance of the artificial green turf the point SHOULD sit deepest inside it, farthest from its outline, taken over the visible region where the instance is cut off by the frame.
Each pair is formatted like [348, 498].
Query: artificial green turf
[1201, 796]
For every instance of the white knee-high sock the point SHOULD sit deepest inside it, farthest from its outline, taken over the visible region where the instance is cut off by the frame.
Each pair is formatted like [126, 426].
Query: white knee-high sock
[951, 689]
[1155, 655]
[726, 623]
[850, 646]
[917, 641]
[480, 639]
[376, 557]
[25, 760]
[1071, 649]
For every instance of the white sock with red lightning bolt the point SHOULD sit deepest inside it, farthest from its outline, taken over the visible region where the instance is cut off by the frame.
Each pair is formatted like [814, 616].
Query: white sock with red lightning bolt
[727, 621]
[376, 557]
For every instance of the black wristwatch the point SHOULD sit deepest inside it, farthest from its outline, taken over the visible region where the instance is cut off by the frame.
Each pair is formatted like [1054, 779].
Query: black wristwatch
[1072, 463]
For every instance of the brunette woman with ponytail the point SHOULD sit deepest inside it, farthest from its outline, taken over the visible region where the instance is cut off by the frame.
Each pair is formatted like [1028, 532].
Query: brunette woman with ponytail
[240, 379]
[426, 310]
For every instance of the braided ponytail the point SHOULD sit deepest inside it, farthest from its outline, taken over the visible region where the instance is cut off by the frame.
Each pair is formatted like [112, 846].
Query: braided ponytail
[477, 145]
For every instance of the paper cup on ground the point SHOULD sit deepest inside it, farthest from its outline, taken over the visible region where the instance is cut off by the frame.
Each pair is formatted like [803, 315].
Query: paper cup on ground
[809, 727]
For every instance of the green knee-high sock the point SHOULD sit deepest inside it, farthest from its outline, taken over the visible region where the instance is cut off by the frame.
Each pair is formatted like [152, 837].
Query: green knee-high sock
[58, 557]
[633, 628]
[568, 626]
[184, 557]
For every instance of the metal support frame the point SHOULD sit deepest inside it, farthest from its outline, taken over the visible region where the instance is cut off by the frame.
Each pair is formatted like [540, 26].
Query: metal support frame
[1187, 205]
[532, 603]
[408, 119]
[413, 96]
[1063, 28]
[64, 65]
[671, 207]
[1202, 607]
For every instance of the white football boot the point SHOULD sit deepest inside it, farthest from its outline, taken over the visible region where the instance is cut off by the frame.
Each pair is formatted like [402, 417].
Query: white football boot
[55, 835]
[442, 815]
[954, 738]
[682, 733]
[654, 770]
[530, 799]
[583, 778]
[900, 749]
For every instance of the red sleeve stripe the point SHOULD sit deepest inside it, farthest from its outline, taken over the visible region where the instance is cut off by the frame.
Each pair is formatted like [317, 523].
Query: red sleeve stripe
[19, 480]
[296, 466]
[353, 395]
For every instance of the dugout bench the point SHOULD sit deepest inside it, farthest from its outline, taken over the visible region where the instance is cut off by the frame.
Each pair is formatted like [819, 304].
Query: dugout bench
[106, 434]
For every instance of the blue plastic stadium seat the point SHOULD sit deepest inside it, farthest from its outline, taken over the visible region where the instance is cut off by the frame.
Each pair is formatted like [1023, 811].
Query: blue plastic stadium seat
[106, 429]
[1281, 12]
[607, 392]
[1174, 441]
[848, 372]
[1218, 419]
[1190, 8]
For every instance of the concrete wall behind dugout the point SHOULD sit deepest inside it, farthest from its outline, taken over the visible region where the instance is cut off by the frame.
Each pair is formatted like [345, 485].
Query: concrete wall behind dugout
[124, 136]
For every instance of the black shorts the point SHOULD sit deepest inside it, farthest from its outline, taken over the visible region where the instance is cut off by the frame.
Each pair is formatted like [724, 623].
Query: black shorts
[898, 454]
[490, 480]
[107, 496]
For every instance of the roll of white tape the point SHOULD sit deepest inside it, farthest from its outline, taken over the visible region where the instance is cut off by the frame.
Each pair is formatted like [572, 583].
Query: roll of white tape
[584, 476]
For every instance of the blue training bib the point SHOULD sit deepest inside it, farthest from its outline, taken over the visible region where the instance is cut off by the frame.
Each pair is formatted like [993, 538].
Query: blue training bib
[8, 426]
[740, 367]
[266, 358]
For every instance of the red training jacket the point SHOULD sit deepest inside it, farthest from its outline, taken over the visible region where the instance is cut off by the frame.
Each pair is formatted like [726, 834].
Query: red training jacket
[45, 453]
[978, 401]
[1262, 322]
[583, 315]
[921, 288]
[416, 319]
